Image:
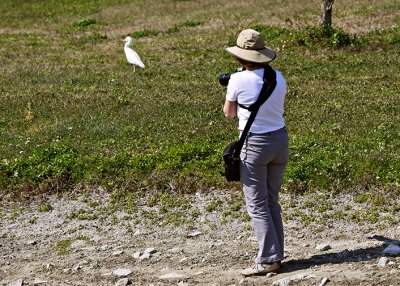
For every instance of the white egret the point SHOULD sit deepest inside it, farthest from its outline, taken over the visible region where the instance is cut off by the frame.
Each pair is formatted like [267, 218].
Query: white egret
[132, 57]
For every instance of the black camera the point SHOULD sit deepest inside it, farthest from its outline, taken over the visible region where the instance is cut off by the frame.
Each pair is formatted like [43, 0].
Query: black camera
[224, 77]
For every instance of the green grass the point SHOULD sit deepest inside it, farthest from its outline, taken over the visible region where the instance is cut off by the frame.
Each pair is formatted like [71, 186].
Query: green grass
[62, 247]
[74, 113]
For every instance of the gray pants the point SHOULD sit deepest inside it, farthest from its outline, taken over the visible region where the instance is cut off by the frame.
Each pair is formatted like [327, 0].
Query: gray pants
[263, 161]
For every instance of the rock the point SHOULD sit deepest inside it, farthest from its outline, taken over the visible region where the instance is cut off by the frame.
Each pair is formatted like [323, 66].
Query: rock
[136, 255]
[80, 265]
[392, 249]
[39, 281]
[78, 244]
[150, 250]
[323, 281]
[174, 250]
[173, 276]
[32, 242]
[123, 282]
[122, 272]
[144, 256]
[240, 236]
[19, 282]
[323, 247]
[76, 268]
[96, 238]
[194, 234]
[270, 274]
[344, 253]
[183, 284]
[383, 261]
[286, 281]
[118, 252]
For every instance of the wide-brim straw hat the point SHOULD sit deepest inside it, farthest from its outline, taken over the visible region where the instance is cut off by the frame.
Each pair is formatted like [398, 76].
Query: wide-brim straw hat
[250, 46]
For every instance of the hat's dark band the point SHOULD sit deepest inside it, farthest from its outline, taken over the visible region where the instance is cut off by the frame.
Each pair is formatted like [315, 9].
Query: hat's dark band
[251, 49]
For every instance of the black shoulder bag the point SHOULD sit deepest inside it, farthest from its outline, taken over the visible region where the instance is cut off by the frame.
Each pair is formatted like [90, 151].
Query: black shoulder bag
[231, 154]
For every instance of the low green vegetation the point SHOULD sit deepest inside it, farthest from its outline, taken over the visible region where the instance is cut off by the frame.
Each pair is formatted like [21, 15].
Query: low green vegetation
[73, 113]
[62, 247]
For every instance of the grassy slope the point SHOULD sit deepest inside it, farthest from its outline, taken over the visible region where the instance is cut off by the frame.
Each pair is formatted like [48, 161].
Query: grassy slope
[72, 111]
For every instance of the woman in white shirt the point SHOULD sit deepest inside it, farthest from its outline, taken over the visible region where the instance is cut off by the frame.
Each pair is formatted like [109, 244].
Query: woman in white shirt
[265, 153]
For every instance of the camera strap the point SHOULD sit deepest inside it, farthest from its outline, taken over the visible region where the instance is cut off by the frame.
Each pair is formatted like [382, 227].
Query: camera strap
[266, 91]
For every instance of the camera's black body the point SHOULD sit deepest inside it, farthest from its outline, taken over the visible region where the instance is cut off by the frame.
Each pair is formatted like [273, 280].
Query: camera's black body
[224, 77]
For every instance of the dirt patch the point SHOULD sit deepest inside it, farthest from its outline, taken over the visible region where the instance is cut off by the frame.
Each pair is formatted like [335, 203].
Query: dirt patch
[67, 241]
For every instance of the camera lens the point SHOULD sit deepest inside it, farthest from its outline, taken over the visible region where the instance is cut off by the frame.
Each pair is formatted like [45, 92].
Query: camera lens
[224, 79]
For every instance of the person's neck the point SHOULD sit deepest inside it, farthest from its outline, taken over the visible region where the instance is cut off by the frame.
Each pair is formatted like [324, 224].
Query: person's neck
[252, 68]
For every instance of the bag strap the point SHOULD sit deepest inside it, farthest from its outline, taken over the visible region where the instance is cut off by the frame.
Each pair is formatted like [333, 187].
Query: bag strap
[266, 91]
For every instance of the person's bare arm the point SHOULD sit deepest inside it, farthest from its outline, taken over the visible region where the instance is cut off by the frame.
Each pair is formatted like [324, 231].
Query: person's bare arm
[230, 109]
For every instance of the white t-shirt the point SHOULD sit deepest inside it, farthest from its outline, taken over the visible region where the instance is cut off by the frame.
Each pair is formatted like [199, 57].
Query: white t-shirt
[244, 87]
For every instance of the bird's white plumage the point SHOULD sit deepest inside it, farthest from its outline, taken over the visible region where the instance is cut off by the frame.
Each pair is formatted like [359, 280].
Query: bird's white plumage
[131, 55]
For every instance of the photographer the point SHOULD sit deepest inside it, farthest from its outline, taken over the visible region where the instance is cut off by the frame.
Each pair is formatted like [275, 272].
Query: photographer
[265, 152]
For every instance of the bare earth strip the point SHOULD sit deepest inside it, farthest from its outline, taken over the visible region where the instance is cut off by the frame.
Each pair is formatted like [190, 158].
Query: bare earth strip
[65, 249]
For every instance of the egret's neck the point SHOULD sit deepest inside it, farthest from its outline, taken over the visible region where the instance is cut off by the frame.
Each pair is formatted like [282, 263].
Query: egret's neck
[127, 44]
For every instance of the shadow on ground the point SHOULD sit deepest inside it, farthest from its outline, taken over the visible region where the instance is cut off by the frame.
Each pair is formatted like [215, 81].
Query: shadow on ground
[345, 256]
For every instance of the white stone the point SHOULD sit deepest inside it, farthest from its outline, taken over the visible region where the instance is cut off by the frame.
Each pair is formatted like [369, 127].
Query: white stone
[383, 261]
[183, 284]
[194, 234]
[77, 267]
[392, 249]
[78, 244]
[122, 282]
[172, 276]
[150, 250]
[175, 250]
[39, 281]
[96, 238]
[286, 281]
[144, 256]
[122, 272]
[136, 255]
[323, 281]
[31, 242]
[323, 247]
[118, 252]
[19, 282]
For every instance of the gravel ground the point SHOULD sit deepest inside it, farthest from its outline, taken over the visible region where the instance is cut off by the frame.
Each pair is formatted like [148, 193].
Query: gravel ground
[80, 240]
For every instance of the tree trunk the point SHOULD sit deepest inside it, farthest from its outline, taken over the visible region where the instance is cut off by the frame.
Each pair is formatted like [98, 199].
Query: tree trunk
[326, 9]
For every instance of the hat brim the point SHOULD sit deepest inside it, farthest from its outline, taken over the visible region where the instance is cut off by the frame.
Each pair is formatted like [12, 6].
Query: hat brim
[264, 56]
